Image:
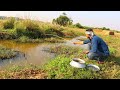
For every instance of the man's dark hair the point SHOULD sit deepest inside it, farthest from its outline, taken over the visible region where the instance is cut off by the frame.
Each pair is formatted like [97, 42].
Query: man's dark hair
[89, 29]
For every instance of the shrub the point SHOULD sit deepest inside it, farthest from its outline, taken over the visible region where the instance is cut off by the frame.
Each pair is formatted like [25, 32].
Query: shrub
[104, 28]
[52, 31]
[23, 39]
[29, 29]
[4, 35]
[6, 53]
[78, 25]
[1, 25]
[112, 51]
[9, 24]
[20, 29]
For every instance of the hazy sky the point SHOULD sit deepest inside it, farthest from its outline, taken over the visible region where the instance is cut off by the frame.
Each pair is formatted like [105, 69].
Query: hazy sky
[110, 19]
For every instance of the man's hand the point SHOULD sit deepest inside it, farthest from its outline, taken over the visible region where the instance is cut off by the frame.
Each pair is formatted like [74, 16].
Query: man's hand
[81, 42]
[86, 52]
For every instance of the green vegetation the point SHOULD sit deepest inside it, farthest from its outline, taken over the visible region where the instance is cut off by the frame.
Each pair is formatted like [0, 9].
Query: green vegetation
[30, 30]
[104, 28]
[59, 67]
[6, 53]
[78, 25]
[9, 24]
[11, 28]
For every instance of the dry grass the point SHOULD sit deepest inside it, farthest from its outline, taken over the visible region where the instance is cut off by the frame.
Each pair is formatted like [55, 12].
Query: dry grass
[24, 74]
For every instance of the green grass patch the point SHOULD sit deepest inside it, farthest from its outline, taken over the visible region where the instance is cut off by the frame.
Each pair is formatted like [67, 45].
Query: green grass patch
[59, 68]
[6, 53]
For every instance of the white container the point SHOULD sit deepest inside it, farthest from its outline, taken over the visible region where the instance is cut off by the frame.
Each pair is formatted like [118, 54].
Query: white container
[78, 63]
[78, 60]
[93, 67]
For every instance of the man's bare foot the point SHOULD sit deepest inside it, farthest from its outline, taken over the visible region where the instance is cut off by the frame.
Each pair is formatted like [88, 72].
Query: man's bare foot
[100, 62]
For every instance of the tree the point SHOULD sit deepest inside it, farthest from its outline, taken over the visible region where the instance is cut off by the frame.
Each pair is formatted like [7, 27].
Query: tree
[54, 21]
[63, 20]
[78, 25]
[104, 28]
[64, 13]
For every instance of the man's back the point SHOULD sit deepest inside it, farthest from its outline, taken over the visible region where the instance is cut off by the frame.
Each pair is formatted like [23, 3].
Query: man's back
[98, 45]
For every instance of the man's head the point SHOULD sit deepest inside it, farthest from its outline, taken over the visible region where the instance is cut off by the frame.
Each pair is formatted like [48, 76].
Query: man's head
[89, 33]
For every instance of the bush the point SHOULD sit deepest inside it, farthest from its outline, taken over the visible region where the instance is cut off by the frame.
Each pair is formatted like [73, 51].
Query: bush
[86, 27]
[23, 39]
[6, 53]
[29, 29]
[1, 25]
[32, 29]
[52, 31]
[20, 29]
[12, 34]
[104, 28]
[9, 24]
[4, 35]
[78, 25]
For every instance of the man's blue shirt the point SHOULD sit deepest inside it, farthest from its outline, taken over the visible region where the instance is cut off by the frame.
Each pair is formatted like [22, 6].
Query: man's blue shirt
[98, 45]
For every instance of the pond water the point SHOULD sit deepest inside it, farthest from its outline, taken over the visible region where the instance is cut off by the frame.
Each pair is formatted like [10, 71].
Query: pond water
[34, 53]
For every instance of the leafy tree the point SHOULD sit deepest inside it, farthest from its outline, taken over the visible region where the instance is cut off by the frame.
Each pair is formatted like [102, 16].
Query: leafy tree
[54, 21]
[104, 28]
[64, 13]
[63, 20]
[78, 25]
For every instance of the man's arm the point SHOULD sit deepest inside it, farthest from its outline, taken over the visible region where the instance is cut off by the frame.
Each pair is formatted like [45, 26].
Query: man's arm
[83, 42]
[86, 41]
